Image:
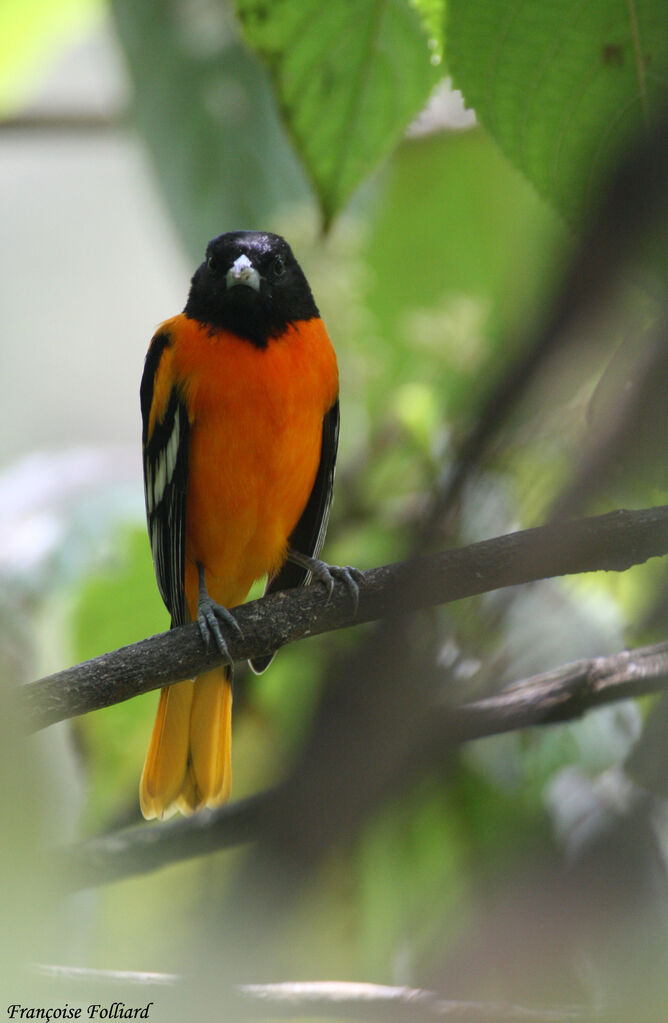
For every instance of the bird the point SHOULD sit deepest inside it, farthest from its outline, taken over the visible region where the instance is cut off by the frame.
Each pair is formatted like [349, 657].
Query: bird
[240, 425]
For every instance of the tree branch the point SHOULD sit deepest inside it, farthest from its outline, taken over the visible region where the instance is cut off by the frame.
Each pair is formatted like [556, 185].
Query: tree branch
[611, 542]
[565, 693]
[554, 696]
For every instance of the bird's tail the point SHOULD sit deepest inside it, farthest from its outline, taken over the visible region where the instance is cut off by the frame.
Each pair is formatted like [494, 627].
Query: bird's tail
[189, 759]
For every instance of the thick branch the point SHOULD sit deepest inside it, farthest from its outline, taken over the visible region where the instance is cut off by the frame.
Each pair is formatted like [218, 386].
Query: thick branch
[559, 695]
[612, 542]
[143, 849]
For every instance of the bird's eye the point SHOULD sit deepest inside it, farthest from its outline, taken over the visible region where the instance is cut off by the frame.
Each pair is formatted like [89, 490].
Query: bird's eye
[212, 261]
[278, 266]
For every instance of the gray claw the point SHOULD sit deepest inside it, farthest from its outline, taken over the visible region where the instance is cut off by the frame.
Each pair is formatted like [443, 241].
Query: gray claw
[209, 616]
[323, 573]
[352, 577]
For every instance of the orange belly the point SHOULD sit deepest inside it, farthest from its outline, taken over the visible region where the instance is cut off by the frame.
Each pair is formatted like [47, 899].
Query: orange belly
[255, 437]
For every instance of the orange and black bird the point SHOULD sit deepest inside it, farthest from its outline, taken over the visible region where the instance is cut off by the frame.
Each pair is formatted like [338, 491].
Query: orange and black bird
[239, 401]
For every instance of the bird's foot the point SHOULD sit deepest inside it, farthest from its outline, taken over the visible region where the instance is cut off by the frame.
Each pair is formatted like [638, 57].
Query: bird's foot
[327, 574]
[210, 615]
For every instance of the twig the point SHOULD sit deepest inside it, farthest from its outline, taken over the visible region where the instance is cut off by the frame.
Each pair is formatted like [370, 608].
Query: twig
[554, 696]
[341, 999]
[71, 121]
[347, 1000]
[627, 415]
[611, 542]
[86, 975]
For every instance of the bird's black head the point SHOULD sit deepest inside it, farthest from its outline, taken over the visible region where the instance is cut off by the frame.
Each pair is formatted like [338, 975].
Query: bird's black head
[250, 284]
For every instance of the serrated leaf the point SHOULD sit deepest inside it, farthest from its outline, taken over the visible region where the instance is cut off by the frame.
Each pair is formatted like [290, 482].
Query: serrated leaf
[432, 13]
[562, 86]
[349, 77]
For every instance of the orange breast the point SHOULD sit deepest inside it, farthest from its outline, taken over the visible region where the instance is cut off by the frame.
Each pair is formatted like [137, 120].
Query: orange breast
[256, 430]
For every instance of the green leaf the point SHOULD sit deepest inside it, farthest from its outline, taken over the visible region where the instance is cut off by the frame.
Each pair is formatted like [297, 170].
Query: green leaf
[205, 109]
[432, 13]
[349, 77]
[561, 85]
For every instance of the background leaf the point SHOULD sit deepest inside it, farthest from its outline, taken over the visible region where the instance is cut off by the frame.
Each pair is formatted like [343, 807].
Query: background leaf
[30, 33]
[451, 211]
[366, 62]
[561, 86]
[205, 110]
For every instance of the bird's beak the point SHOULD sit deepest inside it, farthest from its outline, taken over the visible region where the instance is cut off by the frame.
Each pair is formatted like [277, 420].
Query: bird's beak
[242, 271]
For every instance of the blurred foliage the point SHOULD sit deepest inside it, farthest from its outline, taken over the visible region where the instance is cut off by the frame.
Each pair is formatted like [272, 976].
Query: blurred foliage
[113, 743]
[430, 283]
[30, 31]
[126, 585]
[204, 108]
[451, 213]
[413, 872]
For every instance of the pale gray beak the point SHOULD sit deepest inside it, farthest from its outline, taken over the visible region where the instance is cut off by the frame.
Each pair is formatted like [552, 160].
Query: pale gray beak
[242, 271]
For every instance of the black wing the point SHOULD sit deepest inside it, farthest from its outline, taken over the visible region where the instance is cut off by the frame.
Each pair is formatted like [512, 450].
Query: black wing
[308, 536]
[165, 456]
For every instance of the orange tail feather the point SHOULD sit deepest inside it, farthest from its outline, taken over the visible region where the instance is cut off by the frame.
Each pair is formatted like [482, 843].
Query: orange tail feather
[189, 760]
